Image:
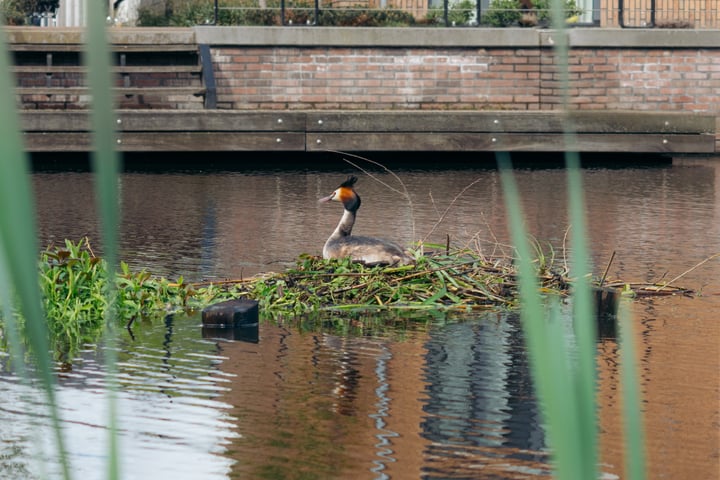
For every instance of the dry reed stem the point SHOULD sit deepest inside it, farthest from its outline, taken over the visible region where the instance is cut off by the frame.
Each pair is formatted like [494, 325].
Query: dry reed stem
[666, 284]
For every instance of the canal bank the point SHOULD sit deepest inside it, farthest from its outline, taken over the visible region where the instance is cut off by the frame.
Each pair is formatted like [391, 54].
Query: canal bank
[461, 89]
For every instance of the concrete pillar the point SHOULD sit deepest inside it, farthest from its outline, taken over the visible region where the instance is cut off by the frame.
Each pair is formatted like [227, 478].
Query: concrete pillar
[72, 13]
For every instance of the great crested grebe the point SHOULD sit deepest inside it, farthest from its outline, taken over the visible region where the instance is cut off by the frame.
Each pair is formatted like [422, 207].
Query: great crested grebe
[368, 250]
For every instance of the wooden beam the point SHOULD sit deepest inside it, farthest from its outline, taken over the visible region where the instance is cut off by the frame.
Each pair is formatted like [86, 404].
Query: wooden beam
[129, 91]
[170, 120]
[509, 121]
[79, 47]
[213, 120]
[525, 142]
[227, 130]
[170, 142]
[116, 69]
[210, 141]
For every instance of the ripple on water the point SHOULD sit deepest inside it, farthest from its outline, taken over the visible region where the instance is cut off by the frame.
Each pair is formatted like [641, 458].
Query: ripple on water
[170, 420]
[479, 403]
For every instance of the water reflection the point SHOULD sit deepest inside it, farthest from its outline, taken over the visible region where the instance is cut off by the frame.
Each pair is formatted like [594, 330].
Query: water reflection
[232, 224]
[424, 398]
[480, 403]
[450, 397]
[171, 424]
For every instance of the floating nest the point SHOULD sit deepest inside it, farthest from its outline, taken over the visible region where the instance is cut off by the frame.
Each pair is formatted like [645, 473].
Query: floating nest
[73, 278]
[461, 280]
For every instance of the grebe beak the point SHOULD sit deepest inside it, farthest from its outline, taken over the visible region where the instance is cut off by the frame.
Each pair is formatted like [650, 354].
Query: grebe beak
[327, 199]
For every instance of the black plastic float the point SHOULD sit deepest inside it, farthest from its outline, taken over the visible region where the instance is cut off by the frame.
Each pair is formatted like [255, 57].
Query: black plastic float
[232, 319]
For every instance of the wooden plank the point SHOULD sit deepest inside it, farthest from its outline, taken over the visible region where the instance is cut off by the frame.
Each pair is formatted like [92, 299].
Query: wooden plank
[46, 69]
[129, 91]
[190, 90]
[57, 141]
[169, 120]
[49, 91]
[401, 122]
[117, 69]
[528, 142]
[170, 142]
[227, 130]
[45, 47]
[80, 47]
[507, 121]
[211, 141]
[55, 121]
[158, 69]
[640, 122]
[151, 47]
[213, 120]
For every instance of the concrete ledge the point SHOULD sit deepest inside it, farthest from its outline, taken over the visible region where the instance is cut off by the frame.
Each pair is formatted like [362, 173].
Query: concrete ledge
[377, 37]
[117, 35]
[643, 38]
[453, 37]
[368, 36]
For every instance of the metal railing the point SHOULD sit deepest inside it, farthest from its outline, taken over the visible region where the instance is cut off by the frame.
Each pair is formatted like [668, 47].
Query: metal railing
[449, 13]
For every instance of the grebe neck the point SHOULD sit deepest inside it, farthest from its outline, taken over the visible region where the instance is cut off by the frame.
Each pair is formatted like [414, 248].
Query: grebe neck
[345, 226]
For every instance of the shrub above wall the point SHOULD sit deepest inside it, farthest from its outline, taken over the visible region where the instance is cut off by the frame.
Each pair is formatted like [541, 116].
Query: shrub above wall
[502, 13]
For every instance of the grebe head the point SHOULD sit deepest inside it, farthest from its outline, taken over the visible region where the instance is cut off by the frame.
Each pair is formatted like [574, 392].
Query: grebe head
[345, 194]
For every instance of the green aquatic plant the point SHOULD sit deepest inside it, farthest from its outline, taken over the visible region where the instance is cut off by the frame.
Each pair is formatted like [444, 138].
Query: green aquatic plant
[74, 285]
[462, 280]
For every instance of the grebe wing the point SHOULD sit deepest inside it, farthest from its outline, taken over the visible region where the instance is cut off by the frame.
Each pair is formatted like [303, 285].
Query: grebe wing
[368, 250]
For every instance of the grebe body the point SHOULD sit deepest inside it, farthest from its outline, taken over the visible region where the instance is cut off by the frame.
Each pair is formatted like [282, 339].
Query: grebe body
[368, 250]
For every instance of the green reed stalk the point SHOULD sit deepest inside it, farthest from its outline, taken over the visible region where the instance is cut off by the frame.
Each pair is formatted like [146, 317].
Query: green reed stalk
[632, 415]
[584, 319]
[555, 371]
[564, 377]
[106, 164]
[18, 245]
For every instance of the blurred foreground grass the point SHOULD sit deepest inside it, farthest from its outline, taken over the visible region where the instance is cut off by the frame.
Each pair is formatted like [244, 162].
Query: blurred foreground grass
[562, 356]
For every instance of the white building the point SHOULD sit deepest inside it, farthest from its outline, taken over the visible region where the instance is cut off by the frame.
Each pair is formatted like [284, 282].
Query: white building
[73, 13]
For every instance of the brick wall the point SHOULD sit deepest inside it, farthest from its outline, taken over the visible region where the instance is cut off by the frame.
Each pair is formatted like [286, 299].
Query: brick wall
[347, 78]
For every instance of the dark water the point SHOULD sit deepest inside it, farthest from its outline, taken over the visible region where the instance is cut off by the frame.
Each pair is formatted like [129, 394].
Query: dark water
[424, 397]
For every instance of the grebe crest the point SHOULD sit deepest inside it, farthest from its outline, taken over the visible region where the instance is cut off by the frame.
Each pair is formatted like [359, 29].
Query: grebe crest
[367, 250]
